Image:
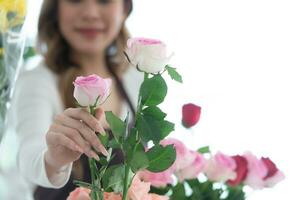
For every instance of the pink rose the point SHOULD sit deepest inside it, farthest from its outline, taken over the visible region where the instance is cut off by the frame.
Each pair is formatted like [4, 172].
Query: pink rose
[79, 194]
[274, 175]
[257, 171]
[160, 179]
[241, 170]
[273, 180]
[149, 55]
[138, 189]
[220, 168]
[262, 172]
[157, 197]
[190, 115]
[193, 169]
[89, 88]
[183, 156]
[112, 196]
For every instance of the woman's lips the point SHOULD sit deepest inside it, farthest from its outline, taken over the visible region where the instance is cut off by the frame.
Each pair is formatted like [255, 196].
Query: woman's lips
[89, 32]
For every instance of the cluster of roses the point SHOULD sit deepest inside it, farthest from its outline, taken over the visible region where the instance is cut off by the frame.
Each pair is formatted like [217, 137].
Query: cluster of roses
[138, 190]
[233, 170]
[150, 56]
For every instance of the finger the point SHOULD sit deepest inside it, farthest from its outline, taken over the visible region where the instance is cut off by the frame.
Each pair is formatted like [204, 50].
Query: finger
[99, 113]
[56, 138]
[74, 135]
[87, 118]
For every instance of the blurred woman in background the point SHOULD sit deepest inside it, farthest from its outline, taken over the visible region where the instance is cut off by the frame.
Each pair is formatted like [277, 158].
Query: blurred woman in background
[76, 37]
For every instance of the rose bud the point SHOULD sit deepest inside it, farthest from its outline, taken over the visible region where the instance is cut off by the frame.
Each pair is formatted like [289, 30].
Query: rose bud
[190, 115]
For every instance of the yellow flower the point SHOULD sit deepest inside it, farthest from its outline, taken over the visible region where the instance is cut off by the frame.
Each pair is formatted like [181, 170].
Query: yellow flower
[17, 7]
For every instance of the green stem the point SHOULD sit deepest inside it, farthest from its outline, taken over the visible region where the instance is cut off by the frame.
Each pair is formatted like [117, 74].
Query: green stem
[92, 163]
[140, 106]
[125, 187]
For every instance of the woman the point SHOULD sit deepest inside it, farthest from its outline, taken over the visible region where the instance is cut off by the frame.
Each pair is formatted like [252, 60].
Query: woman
[78, 37]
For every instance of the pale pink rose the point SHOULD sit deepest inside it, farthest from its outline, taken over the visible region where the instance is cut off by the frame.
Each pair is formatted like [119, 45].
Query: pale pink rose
[160, 179]
[112, 196]
[220, 168]
[138, 189]
[262, 172]
[273, 180]
[183, 156]
[80, 194]
[193, 169]
[256, 172]
[89, 88]
[157, 197]
[149, 55]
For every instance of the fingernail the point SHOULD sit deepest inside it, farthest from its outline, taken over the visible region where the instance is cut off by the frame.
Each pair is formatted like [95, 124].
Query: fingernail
[94, 155]
[103, 133]
[98, 128]
[104, 152]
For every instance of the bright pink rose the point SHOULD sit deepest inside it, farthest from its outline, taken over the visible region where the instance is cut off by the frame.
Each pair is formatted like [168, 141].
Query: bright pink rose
[157, 197]
[193, 169]
[190, 115]
[89, 88]
[220, 168]
[160, 179]
[79, 194]
[149, 55]
[241, 170]
[183, 156]
[138, 189]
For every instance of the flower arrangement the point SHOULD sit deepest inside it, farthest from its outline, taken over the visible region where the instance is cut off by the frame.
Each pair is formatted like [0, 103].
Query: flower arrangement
[12, 16]
[167, 169]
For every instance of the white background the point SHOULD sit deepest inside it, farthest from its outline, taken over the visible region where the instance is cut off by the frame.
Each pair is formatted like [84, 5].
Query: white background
[240, 62]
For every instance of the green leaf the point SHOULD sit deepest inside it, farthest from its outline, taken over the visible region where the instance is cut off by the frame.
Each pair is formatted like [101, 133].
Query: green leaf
[178, 192]
[236, 193]
[174, 74]
[103, 161]
[139, 161]
[113, 144]
[115, 180]
[161, 158]
[104, 139]
[117, 126]
[154, 112]
[204, 150]
[166, 128]
[153, 91]
[150, 128]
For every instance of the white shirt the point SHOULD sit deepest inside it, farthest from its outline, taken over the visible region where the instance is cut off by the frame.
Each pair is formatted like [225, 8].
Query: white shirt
[35, 103]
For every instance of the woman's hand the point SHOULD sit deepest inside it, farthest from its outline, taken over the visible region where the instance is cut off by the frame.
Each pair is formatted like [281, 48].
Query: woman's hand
[72, 134]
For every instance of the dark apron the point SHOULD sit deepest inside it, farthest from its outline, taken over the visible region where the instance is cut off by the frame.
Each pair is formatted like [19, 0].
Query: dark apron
[42, 193]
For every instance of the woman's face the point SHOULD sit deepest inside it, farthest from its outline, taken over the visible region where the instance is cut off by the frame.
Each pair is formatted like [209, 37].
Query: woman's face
[90, 26]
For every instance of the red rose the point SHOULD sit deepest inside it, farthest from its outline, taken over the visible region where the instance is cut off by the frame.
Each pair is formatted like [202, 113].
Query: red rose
[272, 169]
[190, 114]
[241, 170]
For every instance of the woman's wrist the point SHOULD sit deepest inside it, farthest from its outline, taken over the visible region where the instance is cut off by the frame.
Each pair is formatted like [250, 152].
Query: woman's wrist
[51, 165]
